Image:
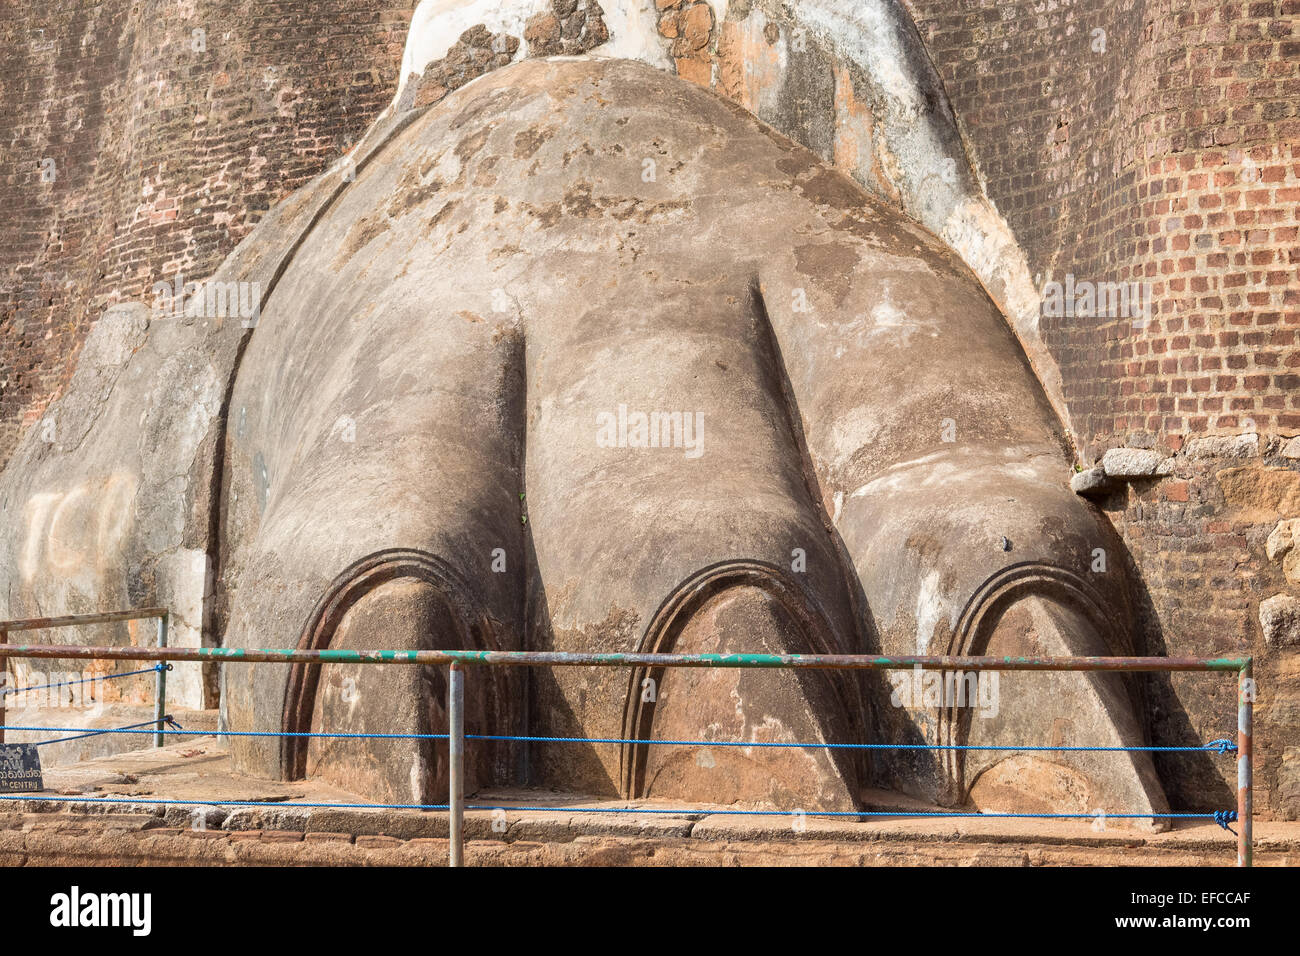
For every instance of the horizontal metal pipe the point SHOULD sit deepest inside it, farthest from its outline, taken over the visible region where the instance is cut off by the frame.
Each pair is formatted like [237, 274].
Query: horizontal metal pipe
[556, 658]
[107, 617]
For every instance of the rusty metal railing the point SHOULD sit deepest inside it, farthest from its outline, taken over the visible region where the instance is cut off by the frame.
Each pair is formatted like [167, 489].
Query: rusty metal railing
[457, 661]
[74, 620]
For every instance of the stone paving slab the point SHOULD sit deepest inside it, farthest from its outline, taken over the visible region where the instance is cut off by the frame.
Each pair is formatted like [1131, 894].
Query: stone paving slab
[54, 830]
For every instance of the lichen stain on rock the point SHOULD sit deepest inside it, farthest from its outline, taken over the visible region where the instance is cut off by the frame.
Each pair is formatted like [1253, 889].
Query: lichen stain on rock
[359, 236]
[485, 176]
[412, 196]
[470, 145]
[580, 203]
[583, 150]
[529, 141]
[437, 218]
[547, 215]
[832, 264]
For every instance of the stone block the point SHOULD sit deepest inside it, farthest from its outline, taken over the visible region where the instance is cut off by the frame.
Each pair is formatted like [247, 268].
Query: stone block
[1132, 463]
[1091, 482]
[1224, 446]
[1279, 616]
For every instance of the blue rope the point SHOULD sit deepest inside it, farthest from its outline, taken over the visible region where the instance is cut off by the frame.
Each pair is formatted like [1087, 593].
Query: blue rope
[1221, 746]
[89, 680]
[1216, 746]
[1224, 817]
[1226, 814]
[865, 813]
[129, 728]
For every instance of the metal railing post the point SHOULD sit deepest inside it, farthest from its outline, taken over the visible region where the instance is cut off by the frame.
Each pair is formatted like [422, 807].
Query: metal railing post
[4, 683]
[456, 765]
[160, 684]
[1245, 795]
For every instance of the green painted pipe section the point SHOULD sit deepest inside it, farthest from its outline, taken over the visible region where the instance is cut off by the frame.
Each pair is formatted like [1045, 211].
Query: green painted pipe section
[552, 658]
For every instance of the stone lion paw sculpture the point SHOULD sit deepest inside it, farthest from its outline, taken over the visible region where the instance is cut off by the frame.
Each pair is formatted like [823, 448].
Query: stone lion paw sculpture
[585, 358]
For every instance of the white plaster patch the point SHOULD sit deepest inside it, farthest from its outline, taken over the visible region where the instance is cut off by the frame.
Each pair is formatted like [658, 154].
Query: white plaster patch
[885, 320]
[892, 322]
[930, 608]
[70, 537]
[864, 29]
[634, 32]
[115, 335]
[984, 240]
[853, 429]
[438, 24]
[942, 470]
[186, 570]
[416, 794]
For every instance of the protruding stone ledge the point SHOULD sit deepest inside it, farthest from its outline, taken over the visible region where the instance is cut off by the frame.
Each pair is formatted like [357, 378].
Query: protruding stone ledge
[1122, 465]
[1092, 481]
[1129, 463]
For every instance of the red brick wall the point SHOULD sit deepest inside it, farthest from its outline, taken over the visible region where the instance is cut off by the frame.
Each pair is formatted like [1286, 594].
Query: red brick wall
[164, 156]
[1131, 164]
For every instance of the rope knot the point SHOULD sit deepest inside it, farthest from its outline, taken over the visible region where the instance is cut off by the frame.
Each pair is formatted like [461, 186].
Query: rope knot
[1224, 817]
[1221, 746]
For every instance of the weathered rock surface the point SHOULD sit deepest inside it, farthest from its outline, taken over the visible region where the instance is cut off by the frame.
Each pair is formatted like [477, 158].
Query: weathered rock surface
[487, 173]
[759, 410]
[1283, 545]
[1279, 616]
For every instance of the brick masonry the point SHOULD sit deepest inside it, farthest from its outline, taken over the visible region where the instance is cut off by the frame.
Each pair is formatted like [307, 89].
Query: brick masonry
[1165, 151]
[136, 148]
[1162, 150]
